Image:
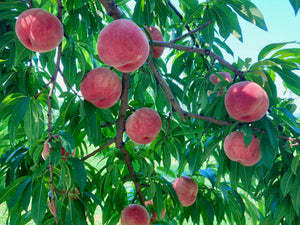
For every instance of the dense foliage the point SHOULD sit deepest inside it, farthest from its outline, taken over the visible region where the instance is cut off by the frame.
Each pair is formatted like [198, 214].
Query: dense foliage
[40, 98]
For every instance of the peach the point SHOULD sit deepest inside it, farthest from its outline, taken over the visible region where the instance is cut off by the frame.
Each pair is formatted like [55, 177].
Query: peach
[235, 149]
[156, 36]
[154, 215]
[143, 125]
[186, 189]
[134, 215]
[246, 101]
[64, 154]
[123, 45]
[102, 87]
[39, 30]
[51, 207]
[214, 78]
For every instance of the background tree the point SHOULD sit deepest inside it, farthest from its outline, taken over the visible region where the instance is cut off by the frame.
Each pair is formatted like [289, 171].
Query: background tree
[42, 108]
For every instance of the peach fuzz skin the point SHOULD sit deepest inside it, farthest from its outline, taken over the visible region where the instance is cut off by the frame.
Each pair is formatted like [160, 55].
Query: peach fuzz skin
[235, 149]
[143, 125]
[186, 189]
[134, 215]
[156, 36]
[39, 30]
[215, 79]
[246, 101]
[102, 87]
[154, 215]
[123, 45]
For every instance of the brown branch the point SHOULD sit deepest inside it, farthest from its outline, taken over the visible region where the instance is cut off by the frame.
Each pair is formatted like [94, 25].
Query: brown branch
[192, 32]
[99, 149]
[66, 82]
[209, 119]
[200, 51]
[167, 90]
[119, 136]
[49, 101]
[181, 18]
[111, 9]
[114, 12]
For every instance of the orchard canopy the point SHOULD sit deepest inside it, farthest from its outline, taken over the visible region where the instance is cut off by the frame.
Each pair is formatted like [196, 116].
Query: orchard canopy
[220, 127]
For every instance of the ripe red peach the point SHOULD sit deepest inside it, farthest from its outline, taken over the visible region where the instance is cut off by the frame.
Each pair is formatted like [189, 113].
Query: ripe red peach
[123, 45]
[143, 125]
[186, 189]
[102, 87]
[235, 149]
[214, 78]
[134, 215]
[156, 36]
[246, 101]
[39, 30]
[154, 215]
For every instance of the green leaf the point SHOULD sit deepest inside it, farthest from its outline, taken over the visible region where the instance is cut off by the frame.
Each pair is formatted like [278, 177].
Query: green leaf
[291, 80]
[80, 173]
[69, 64]
[7, 192]
[67, 141]
[21, 53]
[158, 199]
[91, 122]
[193, 13]
[34, 121]
[166, 153]
[19, 193]
[193, 155]
[18, 113]
[222, 13]
[295, 164]
[234, 174]
[249, 12]
[39, 201]
[208, 33]
[282, 209]
[296, 5]
[246, 176]
[210, 174]
[271, 47]
[286, 183]
[272, 133]
[295, 194]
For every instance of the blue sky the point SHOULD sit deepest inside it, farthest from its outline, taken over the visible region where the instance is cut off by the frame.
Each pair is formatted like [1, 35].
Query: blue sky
[283, 26]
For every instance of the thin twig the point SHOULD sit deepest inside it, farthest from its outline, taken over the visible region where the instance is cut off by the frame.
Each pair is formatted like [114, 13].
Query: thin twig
[181, 18]
[99, 149]
[201, 51]
[192, 32]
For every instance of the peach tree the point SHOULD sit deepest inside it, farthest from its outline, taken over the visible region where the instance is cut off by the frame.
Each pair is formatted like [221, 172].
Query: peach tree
[118, 112]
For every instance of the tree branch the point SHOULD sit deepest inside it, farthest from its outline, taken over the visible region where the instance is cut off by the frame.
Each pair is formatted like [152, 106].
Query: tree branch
[49, 103]
[119, 136]
[167, 90]
[192, 32]
[99, 149]
[111, 9]
[200, 51]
